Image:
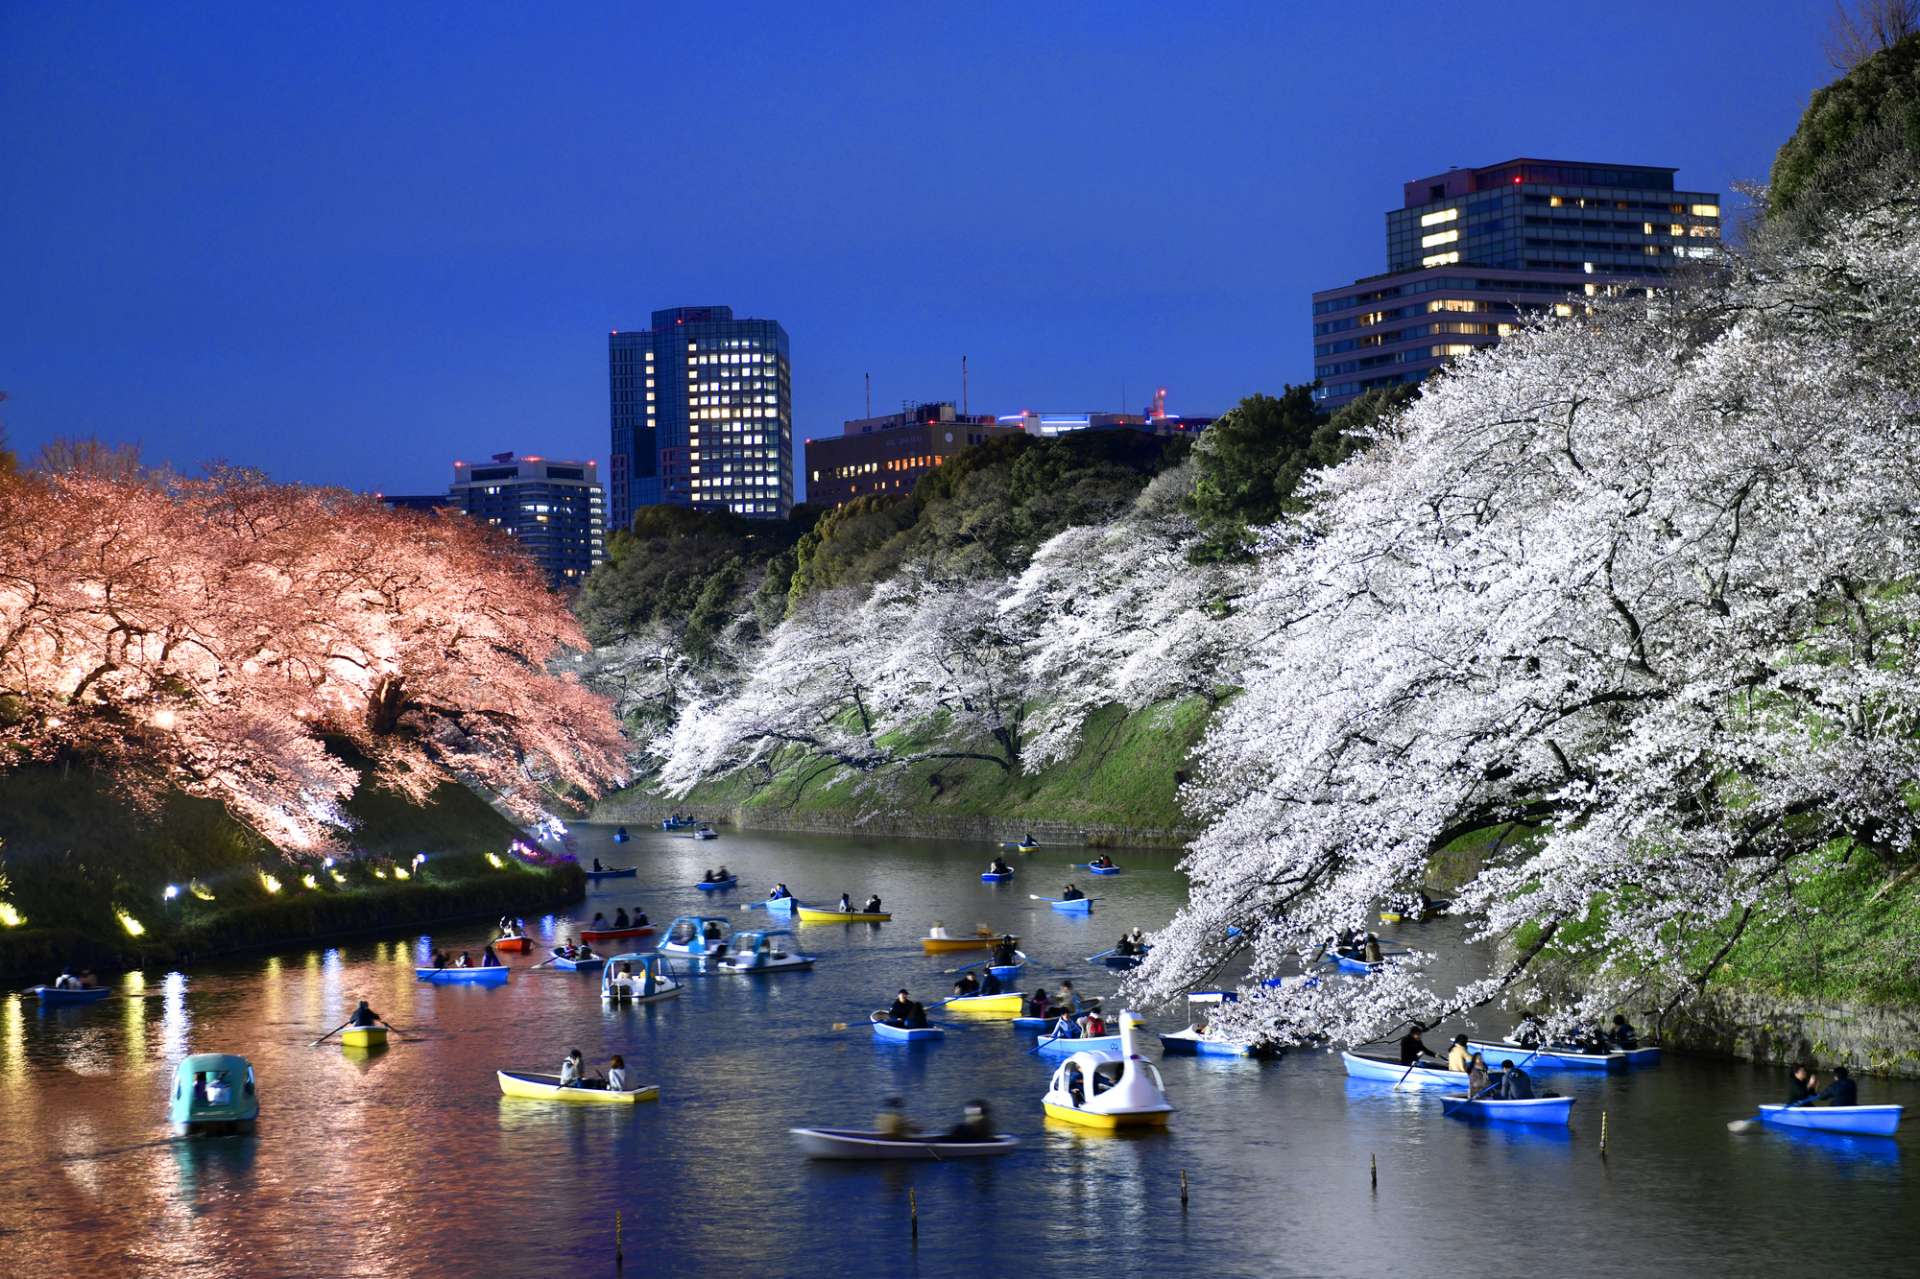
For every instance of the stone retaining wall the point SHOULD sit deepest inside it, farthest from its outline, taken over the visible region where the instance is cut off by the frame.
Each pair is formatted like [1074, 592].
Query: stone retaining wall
[1779, 1030]
[637, 810]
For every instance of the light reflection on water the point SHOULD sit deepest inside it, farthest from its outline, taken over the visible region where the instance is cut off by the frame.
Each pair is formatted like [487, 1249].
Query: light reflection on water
[409, 1161]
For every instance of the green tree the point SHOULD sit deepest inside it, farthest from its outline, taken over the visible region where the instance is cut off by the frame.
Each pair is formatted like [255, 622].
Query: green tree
[1875, 106]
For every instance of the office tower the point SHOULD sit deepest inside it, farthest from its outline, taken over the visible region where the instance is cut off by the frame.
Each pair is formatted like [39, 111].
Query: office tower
[702, 408]
[1472, 251]
[889, 454]
[551, 507]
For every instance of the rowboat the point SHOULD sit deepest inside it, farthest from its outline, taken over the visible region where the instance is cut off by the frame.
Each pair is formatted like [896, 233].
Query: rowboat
[1095, 1091]
[1390, 1071]
[1557, 1111]
[758, 951]
[1023, 848]
[1879, 1121]
[364, 1037]
[637, 978]
[1193, 1042]
[706, 832]
[1052, 1044]
[822, 915]
[1102, 870]
[614, 934]
[697, 937]
[1112, 958]
[522, 944]
[714, 885]
[676, 823]
[1561, 1058]
[493, 976]
[1009, 972]
[525, 1083]
[1078, 906]
[991, 877]
[779, 905]
[629, 873]
[982, 940]
[843, 1143]
[902, 1035]
[53, 996]
[1433, 910]
[1034, 1023]
[1352, 964]
[214, 1094]
[986, 1005]
[578, 965]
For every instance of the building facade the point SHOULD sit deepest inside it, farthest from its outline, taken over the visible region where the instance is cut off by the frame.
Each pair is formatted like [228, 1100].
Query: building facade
[889, 454]
[702, 408]
[553, 508]
[1471, 252]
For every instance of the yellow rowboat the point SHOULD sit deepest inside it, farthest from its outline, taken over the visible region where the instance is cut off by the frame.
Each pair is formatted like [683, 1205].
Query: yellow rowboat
[1107, 1123]
[988, 1005]
[978, 941]
[817, 915]
[364, 1037]
[1390, 917]
[522, 1083]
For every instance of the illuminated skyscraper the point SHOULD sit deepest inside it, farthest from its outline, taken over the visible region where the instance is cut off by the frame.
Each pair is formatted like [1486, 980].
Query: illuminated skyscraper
[702, 415]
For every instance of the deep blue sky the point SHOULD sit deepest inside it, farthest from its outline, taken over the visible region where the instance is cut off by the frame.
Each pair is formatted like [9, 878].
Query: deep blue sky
[353, 244]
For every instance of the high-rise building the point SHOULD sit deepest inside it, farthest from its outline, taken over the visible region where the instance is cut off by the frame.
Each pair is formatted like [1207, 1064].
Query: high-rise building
[889, 454]
[702, 415]
[1471, 251]
[551, 507]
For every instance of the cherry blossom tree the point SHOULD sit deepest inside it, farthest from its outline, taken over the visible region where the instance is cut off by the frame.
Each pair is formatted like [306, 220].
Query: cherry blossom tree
[1628, 600]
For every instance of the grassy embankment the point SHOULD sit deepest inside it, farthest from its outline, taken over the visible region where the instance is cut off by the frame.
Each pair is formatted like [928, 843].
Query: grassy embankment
[75, 853]
[1124, 777]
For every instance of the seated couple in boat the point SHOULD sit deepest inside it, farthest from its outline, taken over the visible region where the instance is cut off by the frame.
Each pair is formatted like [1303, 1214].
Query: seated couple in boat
[972, 985]
[716, 877]
[83, 981]
[1005, 952]
[905, 1013]
[1840, 1091]
[871, 908]
[573, 1073]
[892, 1123]
[1089, 1025]
[999, 867]
[1071, 893]
[1353, 944]
[1133, 943]
[779, 893]
[567, 950]
[463, 960]
[1103, 861]
[512, 927]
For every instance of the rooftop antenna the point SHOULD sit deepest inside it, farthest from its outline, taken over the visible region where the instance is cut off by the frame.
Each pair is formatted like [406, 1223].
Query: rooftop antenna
[869, 394]
[963, 386]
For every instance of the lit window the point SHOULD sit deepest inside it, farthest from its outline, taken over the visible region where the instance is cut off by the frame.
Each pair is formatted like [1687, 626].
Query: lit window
[1705, 210]
[1453, 304]
[1441, 259]
[1554, 201]
[1676, 229]
[1439, 237]
[1434, 219]
[1646, 228]
[1562, 308]
[1453, 348]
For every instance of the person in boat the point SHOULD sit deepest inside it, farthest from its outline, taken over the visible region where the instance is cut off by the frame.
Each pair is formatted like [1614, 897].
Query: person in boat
[617, 1074]
[365, 1016]
[938, 932]
[465, 960]
[620, 832]
[584, 951]
[1005, 952]
[440, 959]
[1842, 1091]
[720, 876]
[974, 1124]
[1124, 947]
[1799, 1084]
[1139, 941]
[1037, 1005]
[1412, 1047]
[873, 905]
[900, 1011]
[621, 984]
[991, 985]
[967, 985]
[620, 918]
[1458, 1058]
[1000, 867]
[639, 919]
[917, 1019]
[599, 922]
[1069, 998]
[1531, 1032]
[1515, 1083]
[564, 950]
[1029, 841]
[891, 1123]
[487, 958]
[1478, 1080]
[1093, 1024]
[846, 904]
[1347, 943]
[1071, 893]
[573, 1070]
[1622, 1035]
[66, 981]
[596, 864]
[706, 876]
[1103, 861]
[1066, 1027]
[779, 892]
[1370, 952]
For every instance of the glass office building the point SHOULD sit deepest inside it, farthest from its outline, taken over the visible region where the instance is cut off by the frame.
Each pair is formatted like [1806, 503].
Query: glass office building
[1472, 251]
[549, 506]
[702, 409]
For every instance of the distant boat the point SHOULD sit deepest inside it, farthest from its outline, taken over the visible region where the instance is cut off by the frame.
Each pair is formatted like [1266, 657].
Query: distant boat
[494, 975]
[628, 873]
[53, 996]
[1878, 1121]
[538, 1087]
[844, 1143]
[888, 1033]
[214, 1094]
[1556, 1111]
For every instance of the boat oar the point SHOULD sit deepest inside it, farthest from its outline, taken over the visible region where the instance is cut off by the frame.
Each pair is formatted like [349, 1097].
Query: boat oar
[951, 972]
[1748, 1125]
[331, 1033]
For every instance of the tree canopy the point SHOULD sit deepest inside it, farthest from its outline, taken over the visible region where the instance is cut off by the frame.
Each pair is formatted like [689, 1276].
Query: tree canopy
[1880, 96]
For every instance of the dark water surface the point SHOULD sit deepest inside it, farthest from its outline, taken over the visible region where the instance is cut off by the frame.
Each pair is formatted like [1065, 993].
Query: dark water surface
[409, 1162]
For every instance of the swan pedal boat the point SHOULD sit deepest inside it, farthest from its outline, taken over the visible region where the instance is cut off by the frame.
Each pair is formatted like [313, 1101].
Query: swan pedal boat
[759, 951]
[1877, 1121]
[1563, 1057]
[1555, 1111]
[615, 934]
[981, 940]
[644, 964]
[902, 1034]
[495, 975]
[715, 885]
[1001, 1005]
[823, 915]
[843, 1143]
[364, 1037]
[537, 1087]
[1122, 1092]
[630, 873]
[521, 944]
[53, 996]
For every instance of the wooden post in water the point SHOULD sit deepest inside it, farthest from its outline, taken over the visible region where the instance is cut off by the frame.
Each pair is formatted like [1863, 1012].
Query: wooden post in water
[913, 1213]
[619, 1252]
[1373, 1171]
[1183, 1190]
[1603, 1134]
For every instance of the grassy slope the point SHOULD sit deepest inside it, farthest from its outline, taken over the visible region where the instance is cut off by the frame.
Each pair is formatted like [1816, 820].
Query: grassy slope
[1126, 774]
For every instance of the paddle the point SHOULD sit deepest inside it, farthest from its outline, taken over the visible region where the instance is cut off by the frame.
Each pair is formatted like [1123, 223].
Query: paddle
[954, 972]
[331, 1033]
[1748, 1125]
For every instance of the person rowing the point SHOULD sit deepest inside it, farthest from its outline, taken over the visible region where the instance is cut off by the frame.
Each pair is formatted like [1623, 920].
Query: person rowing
[1370, 951]
[974, 1125]
[779, 893]
[720, 876]
[900, 1011]
[1412, 1047]
[1071, 893]
[1842, 1091]
[1799, 1084]
[365, 1016]
[999, 867]
[66, 981]
[967, 985]
[991, 985]
[1515, 1083]
[707, 876]
[1005, 953]
[1622, 1035]
[873, 905]
[596, 864]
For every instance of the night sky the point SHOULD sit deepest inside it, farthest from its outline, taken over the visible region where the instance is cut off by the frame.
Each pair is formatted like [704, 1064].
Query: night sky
[352, 245]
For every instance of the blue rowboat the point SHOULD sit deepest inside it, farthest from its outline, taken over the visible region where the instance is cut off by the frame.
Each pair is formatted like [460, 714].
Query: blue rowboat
[578, 965]
[1563, 1058]
[1033, 1023]
[1878, 1121]
[52, 996]
[1556, 1111]
[779, 905]
[995, 877]
[494, 976]
[1102, 870]
[901, 1035]
[1348, 964]
[598, 875]
[1100, 1045]
[1009, 972]
[1642, 1056]
[1191, 1043]
[1388, 1070]
[1078, 906]
[714, 885]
